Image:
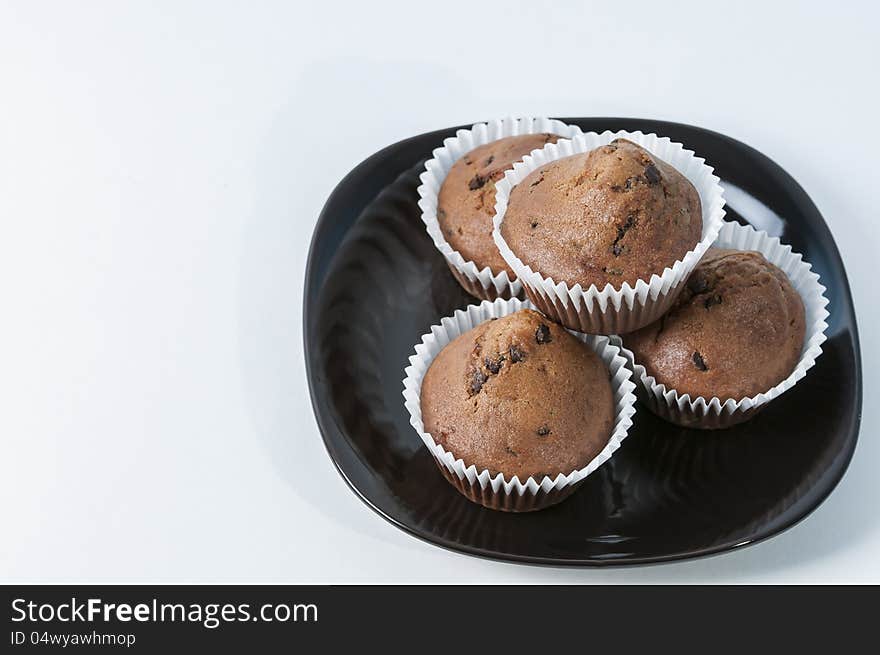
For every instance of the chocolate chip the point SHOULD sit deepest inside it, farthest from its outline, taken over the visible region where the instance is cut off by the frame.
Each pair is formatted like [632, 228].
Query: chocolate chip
[477, 380]
[652, 174]
[516, 354]
[542, 334]
[490, 159]
[494, 365]
[616, 248]
[698, 361]
[628, 223]
[543, 431]
[698, 283]
[714, 299]
[511, 451]
[477, 182]
[534, 224]
[538, 181]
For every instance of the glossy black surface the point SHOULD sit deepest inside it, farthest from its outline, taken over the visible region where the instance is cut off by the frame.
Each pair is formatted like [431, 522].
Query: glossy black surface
[374, 285]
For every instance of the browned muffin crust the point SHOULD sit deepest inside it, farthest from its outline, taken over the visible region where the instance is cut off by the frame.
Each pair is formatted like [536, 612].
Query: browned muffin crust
[735, 331]
[466, 203]
[615, 214]
[521, 396]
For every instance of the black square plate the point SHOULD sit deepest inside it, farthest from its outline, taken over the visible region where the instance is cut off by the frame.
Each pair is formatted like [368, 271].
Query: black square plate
[374, 285]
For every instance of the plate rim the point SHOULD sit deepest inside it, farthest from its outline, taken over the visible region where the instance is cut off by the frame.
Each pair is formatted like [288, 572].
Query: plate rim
[325, 218]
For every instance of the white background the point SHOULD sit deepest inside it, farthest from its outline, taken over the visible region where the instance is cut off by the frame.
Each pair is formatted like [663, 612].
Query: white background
[162, 166]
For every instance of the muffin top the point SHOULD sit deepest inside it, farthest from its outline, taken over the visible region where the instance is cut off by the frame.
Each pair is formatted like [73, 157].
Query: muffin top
[521, 396]
[612, 215]
[735, 331]
[466, 203]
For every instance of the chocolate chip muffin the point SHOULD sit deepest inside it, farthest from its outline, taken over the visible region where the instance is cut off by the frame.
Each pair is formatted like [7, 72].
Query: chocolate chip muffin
[466, 203]
[736, 330]
[612, 215]
[521, 396]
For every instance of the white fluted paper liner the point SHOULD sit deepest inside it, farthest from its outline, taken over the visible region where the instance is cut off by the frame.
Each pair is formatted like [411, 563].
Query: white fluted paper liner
[609, 310]
[499, 492]
[715, 413]
[485, 283]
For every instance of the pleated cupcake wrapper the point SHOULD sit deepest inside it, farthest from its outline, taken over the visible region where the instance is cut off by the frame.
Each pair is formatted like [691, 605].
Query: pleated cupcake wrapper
[486, 283]
[500, 492]
[714, 413]
[610, 310]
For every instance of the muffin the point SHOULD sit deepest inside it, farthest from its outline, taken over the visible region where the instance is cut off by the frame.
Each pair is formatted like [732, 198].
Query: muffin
[466, 202]
[519, 395]
[612, 215]
[735, 331]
